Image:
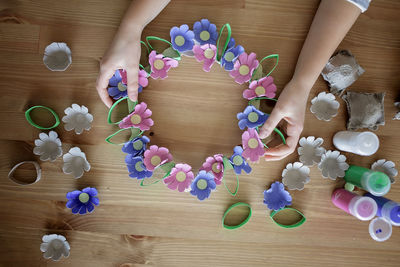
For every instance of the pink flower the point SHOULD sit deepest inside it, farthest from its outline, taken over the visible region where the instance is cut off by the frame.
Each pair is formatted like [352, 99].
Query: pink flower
[215, 164]
[156, 156]
[262, 87]
[244, 67]
[253, 148]
[160, 65]
[181, 177]
[142, 79]
[139, 118]
[206, 53]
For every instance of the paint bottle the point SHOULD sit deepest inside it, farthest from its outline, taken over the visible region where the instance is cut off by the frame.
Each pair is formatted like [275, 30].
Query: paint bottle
[360, 143]
[363, 208]
[377, 183]
[380, 229]
[387, 209]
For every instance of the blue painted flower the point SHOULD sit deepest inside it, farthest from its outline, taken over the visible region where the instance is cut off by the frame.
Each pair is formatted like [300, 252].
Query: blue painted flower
[182, 38]
[82, 201]
[251, 118]
[277, 197]
[202, 185]
[205, 32]
[231, 54]
[117, 87]
[238, 162]
[136, 167]
[136, 146]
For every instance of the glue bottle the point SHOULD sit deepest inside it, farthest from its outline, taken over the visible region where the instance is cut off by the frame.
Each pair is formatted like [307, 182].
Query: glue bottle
[387, 209]
[363, 208]
[360, 143]
[377, 183]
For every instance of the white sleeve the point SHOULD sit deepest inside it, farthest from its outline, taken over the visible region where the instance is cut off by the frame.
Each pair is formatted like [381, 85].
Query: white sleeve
[361, 4]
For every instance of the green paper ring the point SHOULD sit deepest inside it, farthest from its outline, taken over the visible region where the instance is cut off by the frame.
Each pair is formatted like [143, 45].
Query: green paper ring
[273, 68]
[226, 162]
[296, 224]
[113, 108]
[158, 180]
[108, 139]
[155, 38]
[228, 28]
[232, 227]
[31, 122]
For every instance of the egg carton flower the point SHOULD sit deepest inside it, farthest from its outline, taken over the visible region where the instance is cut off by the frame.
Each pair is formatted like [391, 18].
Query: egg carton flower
[251, 117]
[387, 167]
[263, 87]
[77, 118]
[160, 65]
[117, 85]
[206, 53]
[182, 38]
[324, 106]
[205, 32]
[230, 55]
[136, 167]
[180, 178]
[238, 161]
[215, 164]
[48, 146]
[310, 150]
[244, 67]
[136, 146]
[54, 247]
[295, 176]
[82, 201]
[276, 197]
[139, 118]
[253, 148]
[333, 165]
[75, 162]
[156, 156]
[202, 185]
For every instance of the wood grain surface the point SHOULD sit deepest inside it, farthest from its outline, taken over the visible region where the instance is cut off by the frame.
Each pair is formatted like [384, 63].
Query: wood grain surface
[195, 117]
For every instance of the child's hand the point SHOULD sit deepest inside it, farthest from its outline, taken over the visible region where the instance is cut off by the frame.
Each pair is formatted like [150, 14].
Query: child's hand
[290, 107]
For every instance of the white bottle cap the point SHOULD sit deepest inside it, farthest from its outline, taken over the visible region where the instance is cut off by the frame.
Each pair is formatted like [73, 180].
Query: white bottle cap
[361, 143]
[367, 143]
[380, 229]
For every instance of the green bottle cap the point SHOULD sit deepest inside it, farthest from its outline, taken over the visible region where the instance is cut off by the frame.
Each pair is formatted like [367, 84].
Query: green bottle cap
[378, 183]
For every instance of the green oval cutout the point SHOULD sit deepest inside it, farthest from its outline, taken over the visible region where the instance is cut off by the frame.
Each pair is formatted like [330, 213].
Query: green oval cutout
[236, 225]
[34, 124]
[284, 217]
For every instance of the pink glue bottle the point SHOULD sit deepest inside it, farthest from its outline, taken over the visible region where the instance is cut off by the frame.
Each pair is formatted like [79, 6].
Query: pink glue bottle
[363, 208]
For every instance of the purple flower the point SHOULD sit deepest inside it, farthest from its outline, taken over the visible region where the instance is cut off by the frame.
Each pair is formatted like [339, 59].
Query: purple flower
[136, 167]
[136, 146]
[205, 32]
[117, 87]
[182, 38]
[231, 54]
[202, 185]
[251, 118]
[238, 162]
[82, 201]
[277, 197]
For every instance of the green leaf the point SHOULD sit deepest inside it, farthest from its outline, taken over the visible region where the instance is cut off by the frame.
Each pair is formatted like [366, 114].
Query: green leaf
[227, 164]
[258, 73]
[148, 69]
[171, 53]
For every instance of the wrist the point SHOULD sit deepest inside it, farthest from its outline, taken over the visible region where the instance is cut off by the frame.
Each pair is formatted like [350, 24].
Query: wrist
[302, 84]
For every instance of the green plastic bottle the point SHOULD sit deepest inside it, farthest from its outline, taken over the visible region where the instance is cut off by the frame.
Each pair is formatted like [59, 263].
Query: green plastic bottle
[377, 183]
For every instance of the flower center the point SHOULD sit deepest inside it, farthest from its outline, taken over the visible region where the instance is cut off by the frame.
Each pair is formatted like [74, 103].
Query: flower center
[181, 176]
[237, 160]
[179, 40]
[260, 90]
[209, 53]
[201, 184]
[215, 168]
[136, 119]
[253, 117]
[204, 35]
[80, 118]
[83, 197]
[155, 160]
[121, 87]
[139, 166]
[244, 70]
[252, 143]
[158, 64]
[138, 145]
[57, 244]
[229, 56]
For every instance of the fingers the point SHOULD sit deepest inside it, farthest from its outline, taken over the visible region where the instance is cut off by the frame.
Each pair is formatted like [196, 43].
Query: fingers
[270, 124]
[102, 84]
[132, 76]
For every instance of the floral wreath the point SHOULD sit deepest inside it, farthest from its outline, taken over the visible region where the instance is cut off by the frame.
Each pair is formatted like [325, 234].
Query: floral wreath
[205, 44]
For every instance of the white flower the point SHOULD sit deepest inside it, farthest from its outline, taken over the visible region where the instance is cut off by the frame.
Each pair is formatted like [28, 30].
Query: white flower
[54, 247]
[75, 162]
[324, 106]
[310, 150]
[48, 146]
[57, 56]
[78, 118]
[295, 176]
[387, 167]
[333, 165]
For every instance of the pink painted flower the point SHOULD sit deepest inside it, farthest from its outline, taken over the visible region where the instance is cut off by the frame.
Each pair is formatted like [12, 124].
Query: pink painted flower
[139, 118]
[244, 67]
[160, 65]
[142, 79]
[215, 164]
[206, 53]
[156, 156]
[181, 177]
[253, 148]
[262, 87]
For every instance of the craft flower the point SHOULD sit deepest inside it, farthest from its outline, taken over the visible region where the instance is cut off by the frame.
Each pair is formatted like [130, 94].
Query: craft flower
[82, 201]
[117, 84]
[244, 67]
[295, 176]
[75, 162]
[205, 32]
[387, 167]
[238, 161]
[54, 247]
[160, 65]
[262, 87]
[230, 55]
[215, 164]
[253, 148]
[333, 165]
[310, 150]
[182, 38]
[136, 146]
[202, 185]
[156, 156]
[324, 106]
[136, 167]
[276, 197]
[77, 118]
[251, 118]
[180, 178]
[206, 53]
[139, 118]
[48, 146]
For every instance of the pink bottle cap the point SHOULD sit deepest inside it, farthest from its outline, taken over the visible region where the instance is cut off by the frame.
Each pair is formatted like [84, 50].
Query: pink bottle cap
[364, 208]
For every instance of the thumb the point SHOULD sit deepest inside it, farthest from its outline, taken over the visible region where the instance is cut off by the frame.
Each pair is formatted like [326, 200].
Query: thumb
[132, 83]
[270, 124]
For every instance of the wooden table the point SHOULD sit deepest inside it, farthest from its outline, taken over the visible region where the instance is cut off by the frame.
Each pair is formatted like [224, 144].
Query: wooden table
[195, 117]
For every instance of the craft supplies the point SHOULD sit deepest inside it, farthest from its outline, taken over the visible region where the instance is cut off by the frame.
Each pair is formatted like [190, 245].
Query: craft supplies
[54, 247]
[235, 206]
[37, 168]
[360, 143]
[333, 165]
[324, 106]
[31, 122]
[387, 209]
[363, 208]
[298, 223]
[380, 229]
[377, 183]
[57, 56]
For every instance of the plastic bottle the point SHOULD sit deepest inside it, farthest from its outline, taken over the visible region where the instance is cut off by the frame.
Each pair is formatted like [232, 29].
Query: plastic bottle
[380, 229]
[387, 209]
[360, 143]
[363, 208]
[377, 183]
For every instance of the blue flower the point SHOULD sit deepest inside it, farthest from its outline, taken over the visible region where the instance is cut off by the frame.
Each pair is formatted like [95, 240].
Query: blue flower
[202, 185]
[117, 88]
[136, 146]
[238, 162]
[251, 118]
[231, 54]
[277, 197]
[182, 38]
[82, 201]
[136, 167]
[205, 32]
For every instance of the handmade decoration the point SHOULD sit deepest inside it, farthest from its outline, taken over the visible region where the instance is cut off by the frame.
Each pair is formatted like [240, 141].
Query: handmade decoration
[57, 56]
[48, 147]
[276, 197]
[54, 247]
[75, 162]
[118, 84]
[77, 118]
[295, 176]
[234, 206]
[387, 167]
[38, 173]
[324, 106]
[82, 201]
[288, 226]
[310, 150]
[202, 185]
[333, 165]
[31, 122]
